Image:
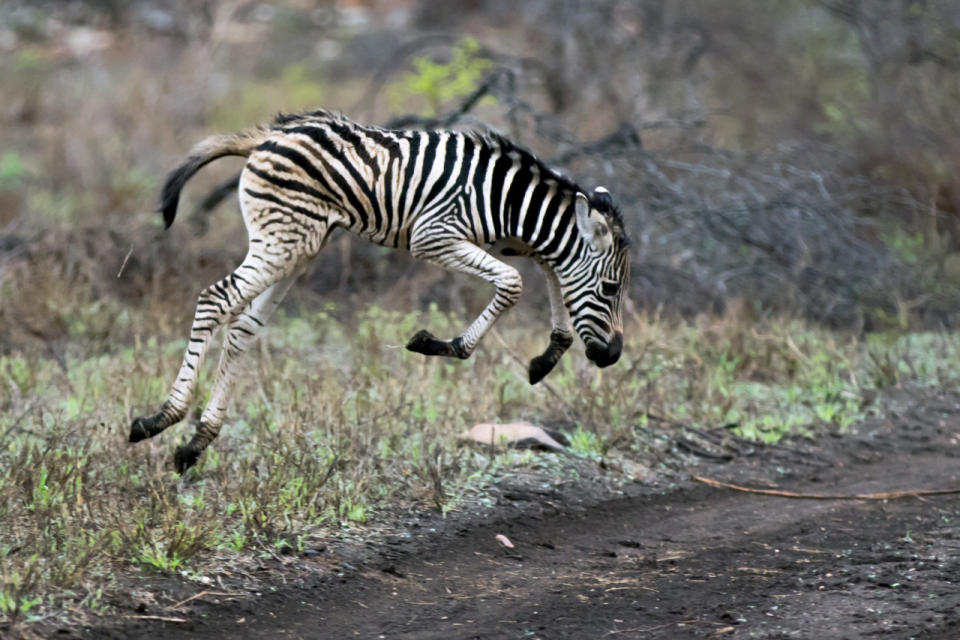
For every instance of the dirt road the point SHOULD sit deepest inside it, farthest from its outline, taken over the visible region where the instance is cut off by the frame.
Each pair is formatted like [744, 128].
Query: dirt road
[689, 562]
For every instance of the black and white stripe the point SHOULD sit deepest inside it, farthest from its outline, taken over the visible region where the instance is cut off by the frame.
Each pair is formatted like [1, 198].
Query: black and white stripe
[442, 195]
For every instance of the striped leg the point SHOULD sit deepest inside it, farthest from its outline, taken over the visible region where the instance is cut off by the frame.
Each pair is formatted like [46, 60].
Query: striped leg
[460, 255]
[240, 336]
[561, 335]
[216, 305]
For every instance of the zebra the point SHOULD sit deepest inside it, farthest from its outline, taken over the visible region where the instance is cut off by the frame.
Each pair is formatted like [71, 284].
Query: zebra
[442, 195]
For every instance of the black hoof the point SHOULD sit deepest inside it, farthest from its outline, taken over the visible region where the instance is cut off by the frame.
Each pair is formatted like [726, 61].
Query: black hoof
[540, 367]
[426, 343]
[544, 363]
[185, 457]
[429, 345]
[143, 428]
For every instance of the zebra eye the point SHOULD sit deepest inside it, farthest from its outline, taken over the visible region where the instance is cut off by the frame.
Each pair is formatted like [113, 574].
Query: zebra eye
[609, 288]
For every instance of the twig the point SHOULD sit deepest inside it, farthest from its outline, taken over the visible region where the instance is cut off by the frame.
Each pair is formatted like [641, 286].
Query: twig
[219, 193]
[625, 139]
[887, 495]
[523, 366]
[200, 595]
[16, 424]
[454, 116]
[160, 618]
[124, 263]
[396, 61]
[691, 447]
[647, 629]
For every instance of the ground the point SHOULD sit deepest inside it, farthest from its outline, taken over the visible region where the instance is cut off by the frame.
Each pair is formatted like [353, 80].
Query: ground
[652, 560]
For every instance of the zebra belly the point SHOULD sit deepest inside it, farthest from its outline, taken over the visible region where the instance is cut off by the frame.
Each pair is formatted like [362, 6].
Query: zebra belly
[510, 246]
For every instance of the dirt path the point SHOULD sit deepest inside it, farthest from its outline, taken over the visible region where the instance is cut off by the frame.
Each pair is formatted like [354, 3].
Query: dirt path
[694, 562]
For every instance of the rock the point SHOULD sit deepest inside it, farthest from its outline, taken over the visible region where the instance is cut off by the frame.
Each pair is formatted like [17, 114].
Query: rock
[512, 434]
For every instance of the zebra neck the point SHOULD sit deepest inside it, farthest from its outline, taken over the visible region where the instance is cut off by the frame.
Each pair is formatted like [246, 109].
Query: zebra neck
[547, 224]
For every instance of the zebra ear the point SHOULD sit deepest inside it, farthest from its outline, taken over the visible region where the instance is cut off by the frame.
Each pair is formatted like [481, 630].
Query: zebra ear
[592, 226]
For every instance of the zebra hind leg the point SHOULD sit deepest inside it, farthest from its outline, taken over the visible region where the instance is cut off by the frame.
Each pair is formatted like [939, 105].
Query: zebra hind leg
[216, 305]
[239, 337]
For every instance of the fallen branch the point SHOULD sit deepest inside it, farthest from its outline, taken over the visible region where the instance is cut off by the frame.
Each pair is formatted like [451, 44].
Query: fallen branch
[202, 594]
[889, 495]
[160, 619]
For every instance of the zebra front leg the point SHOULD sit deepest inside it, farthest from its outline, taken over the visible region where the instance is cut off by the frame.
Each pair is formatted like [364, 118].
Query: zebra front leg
[561, 335]
[240, 335]
[466, 257]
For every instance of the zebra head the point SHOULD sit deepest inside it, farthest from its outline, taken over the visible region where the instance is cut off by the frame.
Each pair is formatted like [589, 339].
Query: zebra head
[594, 288]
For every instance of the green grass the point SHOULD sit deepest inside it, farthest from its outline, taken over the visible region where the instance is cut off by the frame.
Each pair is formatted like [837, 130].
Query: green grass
[336, 421]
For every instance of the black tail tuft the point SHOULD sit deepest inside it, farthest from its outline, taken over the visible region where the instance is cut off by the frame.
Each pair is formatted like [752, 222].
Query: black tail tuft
[170, 195]
[208, 150]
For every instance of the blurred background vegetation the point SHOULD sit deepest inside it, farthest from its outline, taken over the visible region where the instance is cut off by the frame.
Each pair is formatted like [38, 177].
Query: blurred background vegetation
[788, 171]
[795, 156]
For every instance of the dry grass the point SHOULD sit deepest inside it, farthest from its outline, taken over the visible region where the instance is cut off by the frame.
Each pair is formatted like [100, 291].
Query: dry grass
[335, 421]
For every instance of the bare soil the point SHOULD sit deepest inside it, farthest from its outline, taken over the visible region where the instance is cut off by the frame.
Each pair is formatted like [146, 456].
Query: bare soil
[679, 561]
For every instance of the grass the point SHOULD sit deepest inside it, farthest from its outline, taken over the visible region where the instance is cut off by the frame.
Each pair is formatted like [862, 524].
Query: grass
[336, 421]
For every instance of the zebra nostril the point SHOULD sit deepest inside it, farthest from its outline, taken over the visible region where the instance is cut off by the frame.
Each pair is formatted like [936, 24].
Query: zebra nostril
[595, 350]
[615, 347]
[605, 354]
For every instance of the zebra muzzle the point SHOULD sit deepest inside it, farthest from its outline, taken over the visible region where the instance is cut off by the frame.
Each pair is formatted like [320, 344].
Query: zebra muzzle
[604, 355]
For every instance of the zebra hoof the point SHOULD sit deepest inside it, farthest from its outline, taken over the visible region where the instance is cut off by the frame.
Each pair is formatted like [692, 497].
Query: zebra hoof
[429, 345]
[185, 457]
[143, 428]
[540, 367]
[426, 343]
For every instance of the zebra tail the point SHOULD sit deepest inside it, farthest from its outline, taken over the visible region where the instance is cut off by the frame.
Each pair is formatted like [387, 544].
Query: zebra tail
[234, 144]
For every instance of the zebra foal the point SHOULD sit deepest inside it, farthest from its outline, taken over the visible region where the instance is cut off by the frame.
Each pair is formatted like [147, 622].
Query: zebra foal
[442, 195]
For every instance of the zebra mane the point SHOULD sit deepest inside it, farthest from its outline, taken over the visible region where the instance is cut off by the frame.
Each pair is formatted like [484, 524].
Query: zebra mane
[527, 157]
[600, 199]
[317, 114]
